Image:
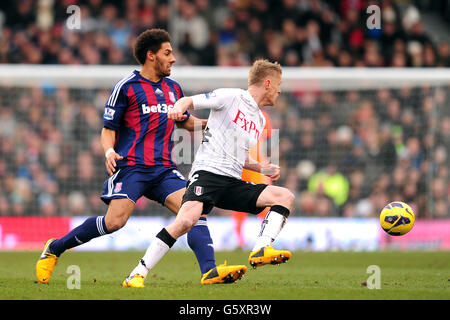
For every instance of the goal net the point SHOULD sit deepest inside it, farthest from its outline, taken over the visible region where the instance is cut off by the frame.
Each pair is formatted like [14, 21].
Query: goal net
[349, 140]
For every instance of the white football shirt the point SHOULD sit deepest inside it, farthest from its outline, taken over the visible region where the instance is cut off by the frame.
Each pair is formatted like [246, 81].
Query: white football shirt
[234, 126]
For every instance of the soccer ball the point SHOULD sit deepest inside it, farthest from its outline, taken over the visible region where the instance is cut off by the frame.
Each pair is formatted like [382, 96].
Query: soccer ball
[397, 218]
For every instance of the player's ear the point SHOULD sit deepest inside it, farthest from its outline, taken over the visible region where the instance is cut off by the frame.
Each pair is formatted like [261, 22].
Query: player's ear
[150, 55]
[267, 83]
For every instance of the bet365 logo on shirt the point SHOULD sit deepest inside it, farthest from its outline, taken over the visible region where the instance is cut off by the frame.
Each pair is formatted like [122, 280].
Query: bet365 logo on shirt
[160, 108]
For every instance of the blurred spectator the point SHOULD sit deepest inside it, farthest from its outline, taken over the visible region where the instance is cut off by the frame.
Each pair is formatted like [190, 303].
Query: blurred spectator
[443, 59]
[344, 153]
[297, 33]
[191, 31]
[77, 204]
[331, 183]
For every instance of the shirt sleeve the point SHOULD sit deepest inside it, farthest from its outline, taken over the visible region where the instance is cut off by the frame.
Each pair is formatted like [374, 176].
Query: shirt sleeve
[179, 90]
[216, 99]
[114, 109]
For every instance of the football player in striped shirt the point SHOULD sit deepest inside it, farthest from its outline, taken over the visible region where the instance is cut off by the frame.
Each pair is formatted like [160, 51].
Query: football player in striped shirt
[136, 138]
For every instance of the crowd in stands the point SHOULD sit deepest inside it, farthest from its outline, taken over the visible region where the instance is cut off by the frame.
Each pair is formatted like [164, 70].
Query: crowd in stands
[344, 153]
[350, 153]
[225, 33]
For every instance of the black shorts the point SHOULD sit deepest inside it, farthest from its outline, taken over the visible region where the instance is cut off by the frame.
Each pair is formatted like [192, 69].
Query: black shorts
[223, 192]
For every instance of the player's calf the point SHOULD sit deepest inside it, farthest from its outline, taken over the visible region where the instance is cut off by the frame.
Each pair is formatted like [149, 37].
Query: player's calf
[280, 200]
[91, 228]
[188, 216]
[119, 211]
[114, 223]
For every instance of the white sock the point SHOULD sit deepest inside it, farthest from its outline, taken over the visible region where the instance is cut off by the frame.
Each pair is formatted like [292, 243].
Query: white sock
[270, 228]
[155, 251]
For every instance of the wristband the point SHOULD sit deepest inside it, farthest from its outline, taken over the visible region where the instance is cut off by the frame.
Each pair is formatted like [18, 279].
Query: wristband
[108, 152]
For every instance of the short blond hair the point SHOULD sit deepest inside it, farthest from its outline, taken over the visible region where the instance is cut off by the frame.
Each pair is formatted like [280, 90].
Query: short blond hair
[261, 69]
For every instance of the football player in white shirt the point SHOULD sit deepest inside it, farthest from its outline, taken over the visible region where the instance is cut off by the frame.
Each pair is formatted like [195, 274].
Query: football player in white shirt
[234, 126]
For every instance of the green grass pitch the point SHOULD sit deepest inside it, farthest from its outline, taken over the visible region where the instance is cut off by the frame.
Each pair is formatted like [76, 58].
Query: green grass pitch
[307, 276]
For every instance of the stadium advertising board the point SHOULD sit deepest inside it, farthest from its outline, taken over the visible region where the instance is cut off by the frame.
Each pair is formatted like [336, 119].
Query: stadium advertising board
[311, 234]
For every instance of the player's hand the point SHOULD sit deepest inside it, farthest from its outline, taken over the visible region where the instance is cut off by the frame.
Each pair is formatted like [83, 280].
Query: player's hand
[176, 113]
[110, 162]
[271, 170]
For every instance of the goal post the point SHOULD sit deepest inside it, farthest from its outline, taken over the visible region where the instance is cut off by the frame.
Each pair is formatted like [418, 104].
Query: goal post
[201, 79]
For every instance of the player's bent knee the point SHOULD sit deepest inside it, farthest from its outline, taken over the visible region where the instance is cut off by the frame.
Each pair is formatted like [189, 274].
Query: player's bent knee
[287, 198]
[187, 217]
[284, 197]
[187, 224]
[181, 226]
[115, 224]
[274, 195]
[118, 213]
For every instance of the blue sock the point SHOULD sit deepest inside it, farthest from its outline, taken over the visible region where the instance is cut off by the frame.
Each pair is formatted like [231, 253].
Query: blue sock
[199, 240]
[91, 228]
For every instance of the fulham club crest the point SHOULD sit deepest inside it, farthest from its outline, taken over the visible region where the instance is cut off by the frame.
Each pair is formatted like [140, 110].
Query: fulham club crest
[198, 191]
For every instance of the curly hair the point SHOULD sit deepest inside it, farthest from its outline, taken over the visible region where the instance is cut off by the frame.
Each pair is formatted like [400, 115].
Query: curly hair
[149, 40]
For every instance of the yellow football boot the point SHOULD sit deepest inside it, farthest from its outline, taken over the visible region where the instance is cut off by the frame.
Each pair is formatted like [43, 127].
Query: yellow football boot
[223, 274]
[46, 263]
[268, 255]
[136, 281]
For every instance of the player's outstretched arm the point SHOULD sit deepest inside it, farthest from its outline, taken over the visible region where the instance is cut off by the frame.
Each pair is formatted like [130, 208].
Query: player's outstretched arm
[252, 164]
[268, 169]
[271, 170]
[179, 108]
[108, 139]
